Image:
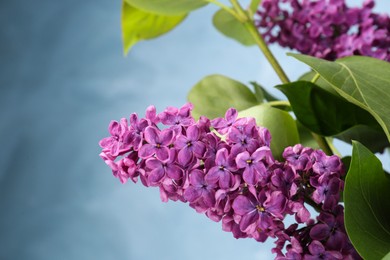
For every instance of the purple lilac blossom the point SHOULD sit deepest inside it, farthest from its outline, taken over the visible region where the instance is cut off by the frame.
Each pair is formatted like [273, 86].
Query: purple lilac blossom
[327, 29]
[230, 175]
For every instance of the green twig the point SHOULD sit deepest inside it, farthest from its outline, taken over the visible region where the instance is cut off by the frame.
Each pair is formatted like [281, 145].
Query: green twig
[316, 77]
[278, 103]
[250, 26]
[224, 7]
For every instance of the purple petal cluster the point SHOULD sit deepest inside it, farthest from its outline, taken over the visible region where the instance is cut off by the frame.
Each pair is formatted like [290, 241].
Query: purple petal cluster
[327, 29]
[225, 169]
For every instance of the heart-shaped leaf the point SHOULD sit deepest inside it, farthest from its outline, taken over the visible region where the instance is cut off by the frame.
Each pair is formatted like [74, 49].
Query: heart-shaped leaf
[367, 204]
[361, 80]
[214, 94]
[139, 25]
[329, 115]
[229, 26]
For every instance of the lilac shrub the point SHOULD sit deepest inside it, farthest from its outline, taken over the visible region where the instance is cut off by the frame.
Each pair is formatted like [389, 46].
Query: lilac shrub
[327, 29]
[225, 169]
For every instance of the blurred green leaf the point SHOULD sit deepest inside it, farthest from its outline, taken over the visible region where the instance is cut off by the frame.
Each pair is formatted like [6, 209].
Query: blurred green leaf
[330, 115]
[367, 204]
[266, 95]
[259, 93]
[229, 26]
[167, 7]
[280, 124]
[361, 80]
[387, 257]
[254, 5]
[138, 25]
[214, 94]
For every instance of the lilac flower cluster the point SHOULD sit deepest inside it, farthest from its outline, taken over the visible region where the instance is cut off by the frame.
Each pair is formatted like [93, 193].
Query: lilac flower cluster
[225, 169]
[326, 29]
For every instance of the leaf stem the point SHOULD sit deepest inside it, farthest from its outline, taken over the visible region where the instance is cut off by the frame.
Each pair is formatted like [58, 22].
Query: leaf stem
[315, 78]
[224, 7]
[253, 6]
[250, 26]
[278, 103]
[248, 22]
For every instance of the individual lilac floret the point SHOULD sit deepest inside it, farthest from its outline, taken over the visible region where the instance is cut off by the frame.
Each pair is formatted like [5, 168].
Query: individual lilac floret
[223, 170]
[200, 190]
[222, 125]
[137, 127]
[174, 116]
[261, 211]
[159, 169]
[118, 142]
[157, 143]
[299, 157]
[190, 145]
[254, 165]
[232, 176]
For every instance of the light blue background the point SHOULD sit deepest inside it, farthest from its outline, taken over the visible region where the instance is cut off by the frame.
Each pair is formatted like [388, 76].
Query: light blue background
[63, 78]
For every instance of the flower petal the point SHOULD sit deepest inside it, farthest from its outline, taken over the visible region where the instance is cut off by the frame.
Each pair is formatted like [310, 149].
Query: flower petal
[146, 151]
[242, 205]
[152, 135]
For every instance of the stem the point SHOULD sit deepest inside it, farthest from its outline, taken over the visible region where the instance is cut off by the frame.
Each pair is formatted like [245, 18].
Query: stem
[237, 7]
[315, 78]
[248, 23]
[250, 26]
[278, 103]
[225, 7]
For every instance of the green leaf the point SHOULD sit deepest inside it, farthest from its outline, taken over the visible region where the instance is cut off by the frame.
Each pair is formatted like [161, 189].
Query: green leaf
[215, 94]
[372, 137]
[320, 82]
[361, 80]
[281, 125]
[254, 5]
[266, 95]
[138, 25]
[367, 204]
[387, 257]
[167, 7]
[330, 115]
[229, 26]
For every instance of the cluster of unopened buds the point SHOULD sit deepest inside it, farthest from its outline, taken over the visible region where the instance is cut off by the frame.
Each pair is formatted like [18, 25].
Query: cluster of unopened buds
[225, 168]
[326, 29]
